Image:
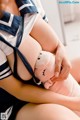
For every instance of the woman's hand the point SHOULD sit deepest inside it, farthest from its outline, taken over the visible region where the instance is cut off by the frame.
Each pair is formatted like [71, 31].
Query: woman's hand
[62, 64]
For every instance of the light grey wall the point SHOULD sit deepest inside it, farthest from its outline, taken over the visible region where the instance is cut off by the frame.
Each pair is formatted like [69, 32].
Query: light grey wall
[52, 11]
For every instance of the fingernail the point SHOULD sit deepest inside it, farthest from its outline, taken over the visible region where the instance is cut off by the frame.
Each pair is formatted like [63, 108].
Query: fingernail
[57, 74]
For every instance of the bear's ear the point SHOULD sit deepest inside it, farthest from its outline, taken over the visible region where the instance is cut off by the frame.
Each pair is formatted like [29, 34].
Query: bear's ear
[48, 84]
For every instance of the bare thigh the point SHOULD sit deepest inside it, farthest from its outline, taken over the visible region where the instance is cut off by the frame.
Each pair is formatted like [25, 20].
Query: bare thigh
[45, 112]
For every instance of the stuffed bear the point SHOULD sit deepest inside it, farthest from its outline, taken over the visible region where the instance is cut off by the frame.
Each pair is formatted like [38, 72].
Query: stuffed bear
[44, 68]
[44, 71]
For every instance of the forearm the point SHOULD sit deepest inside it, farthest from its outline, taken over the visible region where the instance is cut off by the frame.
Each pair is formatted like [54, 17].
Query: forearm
[35, 94]
[38, 95]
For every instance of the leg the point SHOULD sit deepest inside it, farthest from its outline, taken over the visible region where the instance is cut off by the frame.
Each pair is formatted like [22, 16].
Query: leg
[75, 71]
[46, 112]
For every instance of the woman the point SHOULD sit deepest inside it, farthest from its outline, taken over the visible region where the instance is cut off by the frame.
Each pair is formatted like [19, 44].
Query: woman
[17, 94]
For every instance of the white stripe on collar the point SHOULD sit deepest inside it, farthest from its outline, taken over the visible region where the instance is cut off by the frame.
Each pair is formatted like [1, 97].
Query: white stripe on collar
[25, 5]
[10, 21]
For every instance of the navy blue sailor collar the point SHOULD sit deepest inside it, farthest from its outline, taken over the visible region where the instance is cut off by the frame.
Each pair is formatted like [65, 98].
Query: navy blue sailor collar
[10, 23]
[26, 6]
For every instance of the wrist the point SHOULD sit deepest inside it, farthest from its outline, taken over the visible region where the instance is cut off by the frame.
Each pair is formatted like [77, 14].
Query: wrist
[72, 103]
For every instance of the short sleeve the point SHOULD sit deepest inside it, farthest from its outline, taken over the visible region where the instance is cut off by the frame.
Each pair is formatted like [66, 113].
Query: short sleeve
[5, 70]
[41, 10]
[26, 6]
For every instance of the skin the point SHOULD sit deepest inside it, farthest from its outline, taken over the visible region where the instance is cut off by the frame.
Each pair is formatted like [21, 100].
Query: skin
[75, 70]
[42, 99]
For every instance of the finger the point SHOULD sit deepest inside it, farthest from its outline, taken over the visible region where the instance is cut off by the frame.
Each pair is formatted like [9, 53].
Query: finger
[65, 69]
[64, 73]
[54, 79]
[57, 79]
[58, 62]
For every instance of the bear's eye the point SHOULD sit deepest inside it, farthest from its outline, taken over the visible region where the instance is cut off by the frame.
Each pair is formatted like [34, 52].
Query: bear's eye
[38, 58]
[43, 73]
[40, 53]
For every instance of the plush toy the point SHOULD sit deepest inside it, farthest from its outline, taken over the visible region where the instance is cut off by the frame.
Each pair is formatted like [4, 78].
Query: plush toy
[44, 68]
[44, 71]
